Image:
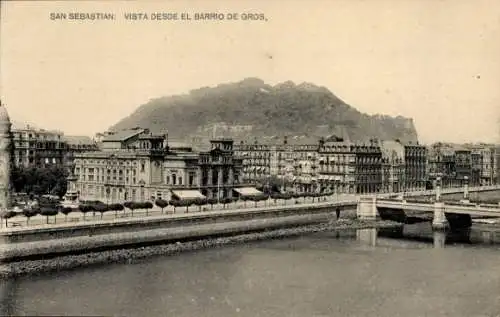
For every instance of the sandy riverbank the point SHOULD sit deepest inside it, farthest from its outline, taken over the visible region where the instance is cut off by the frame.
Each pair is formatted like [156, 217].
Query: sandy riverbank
[15, 269]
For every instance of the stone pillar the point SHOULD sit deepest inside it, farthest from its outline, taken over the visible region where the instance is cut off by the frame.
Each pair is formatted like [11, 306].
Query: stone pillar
[439, 237]
[438, 189]
[367, 208]
[439, 222]
[367, 236]
[466, 188]
[210, 175]
[220, 183]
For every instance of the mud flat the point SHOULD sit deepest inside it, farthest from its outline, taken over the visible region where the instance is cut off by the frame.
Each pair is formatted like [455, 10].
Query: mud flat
[16, 263]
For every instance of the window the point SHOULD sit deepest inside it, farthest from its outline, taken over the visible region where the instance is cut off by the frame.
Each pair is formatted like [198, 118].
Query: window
[174, 179]
[180, 180]
[143, 167]
[167, 180]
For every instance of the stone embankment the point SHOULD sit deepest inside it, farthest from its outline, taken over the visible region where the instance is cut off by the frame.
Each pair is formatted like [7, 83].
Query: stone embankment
[46, 264]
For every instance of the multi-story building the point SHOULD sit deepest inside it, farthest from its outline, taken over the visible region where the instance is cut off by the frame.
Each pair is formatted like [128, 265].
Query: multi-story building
[220, 171]
[37, 147]
[393, 167]
[337, 166]
[368, 167]
[463, 165]
[441, 162]
[415, 167]
[270, 158]
[76, 144]
[256, 160]
[476, 167]
[482, 164]
[137, 165]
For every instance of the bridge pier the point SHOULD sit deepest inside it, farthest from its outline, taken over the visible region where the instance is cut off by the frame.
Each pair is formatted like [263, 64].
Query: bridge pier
[439, 239]
[367, 236]
[367, 208]
[439, 222]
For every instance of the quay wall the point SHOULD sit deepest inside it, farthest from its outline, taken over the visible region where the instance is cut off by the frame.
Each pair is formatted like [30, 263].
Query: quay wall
[118, 225]
[34, 243]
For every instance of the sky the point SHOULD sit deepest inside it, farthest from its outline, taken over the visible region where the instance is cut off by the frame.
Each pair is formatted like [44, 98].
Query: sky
[436, 61]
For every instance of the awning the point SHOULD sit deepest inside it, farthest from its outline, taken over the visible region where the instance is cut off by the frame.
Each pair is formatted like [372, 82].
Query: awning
[187, 194]
[247, 191]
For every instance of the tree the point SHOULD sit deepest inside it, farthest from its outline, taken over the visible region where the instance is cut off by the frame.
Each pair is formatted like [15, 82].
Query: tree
[245, 199]
[225, 201]
[200, 202]
[7, 215]
[175, 203]
[161, 204]
[28, 213]
[85, 209]
[66, 211]
[48, 211]
[101, 208]
[40, 180]
[212, 202]
[147, 205]
[116, 208]
[131, 205]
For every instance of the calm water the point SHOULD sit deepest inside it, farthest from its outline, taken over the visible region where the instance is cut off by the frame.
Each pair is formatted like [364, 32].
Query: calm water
[410, 272]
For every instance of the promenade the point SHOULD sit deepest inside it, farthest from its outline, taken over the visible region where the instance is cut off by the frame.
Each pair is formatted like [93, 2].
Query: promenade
[20, 222]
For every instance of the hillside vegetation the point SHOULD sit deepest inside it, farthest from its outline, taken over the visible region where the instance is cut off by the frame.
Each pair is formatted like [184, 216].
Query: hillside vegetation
[283, 109]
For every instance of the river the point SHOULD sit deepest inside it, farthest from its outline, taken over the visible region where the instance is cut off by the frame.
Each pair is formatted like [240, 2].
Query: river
[408, 272]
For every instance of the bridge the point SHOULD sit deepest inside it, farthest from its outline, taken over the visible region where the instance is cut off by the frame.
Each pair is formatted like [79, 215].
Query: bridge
[368, 205]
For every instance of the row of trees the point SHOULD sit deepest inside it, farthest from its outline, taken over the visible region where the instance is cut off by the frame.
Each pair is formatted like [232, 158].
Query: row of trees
[51, 207]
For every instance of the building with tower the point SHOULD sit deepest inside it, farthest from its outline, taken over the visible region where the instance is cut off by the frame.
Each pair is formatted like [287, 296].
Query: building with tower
[137, 165]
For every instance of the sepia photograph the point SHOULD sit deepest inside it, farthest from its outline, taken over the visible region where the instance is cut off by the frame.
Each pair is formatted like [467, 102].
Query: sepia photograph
[250, 158]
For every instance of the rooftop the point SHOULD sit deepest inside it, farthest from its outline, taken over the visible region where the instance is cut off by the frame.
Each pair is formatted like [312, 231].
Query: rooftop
[122, 135]
[78, 140]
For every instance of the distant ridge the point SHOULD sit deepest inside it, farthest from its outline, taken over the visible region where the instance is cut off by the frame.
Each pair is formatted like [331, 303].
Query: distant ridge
[252, 108]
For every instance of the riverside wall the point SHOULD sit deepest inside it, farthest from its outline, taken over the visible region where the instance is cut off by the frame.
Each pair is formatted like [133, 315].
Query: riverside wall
[30, 243]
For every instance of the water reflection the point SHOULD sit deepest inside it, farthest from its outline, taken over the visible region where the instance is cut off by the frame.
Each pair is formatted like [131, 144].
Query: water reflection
[422, 234]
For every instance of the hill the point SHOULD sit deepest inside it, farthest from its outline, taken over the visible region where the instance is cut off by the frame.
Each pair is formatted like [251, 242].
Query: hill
[252, 108]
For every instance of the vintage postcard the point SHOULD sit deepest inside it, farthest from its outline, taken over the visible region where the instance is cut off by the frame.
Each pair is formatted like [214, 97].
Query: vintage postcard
[250, 158]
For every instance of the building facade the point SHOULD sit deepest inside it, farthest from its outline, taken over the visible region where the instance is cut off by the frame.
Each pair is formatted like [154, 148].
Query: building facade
[415, 167]
[37, 147]
[463, 165]
[136, 165]
[368, 168]
[337, 166]
[393, 167]
[441, 160]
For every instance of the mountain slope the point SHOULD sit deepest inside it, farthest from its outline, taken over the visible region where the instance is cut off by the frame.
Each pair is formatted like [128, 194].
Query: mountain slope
[263, 110]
